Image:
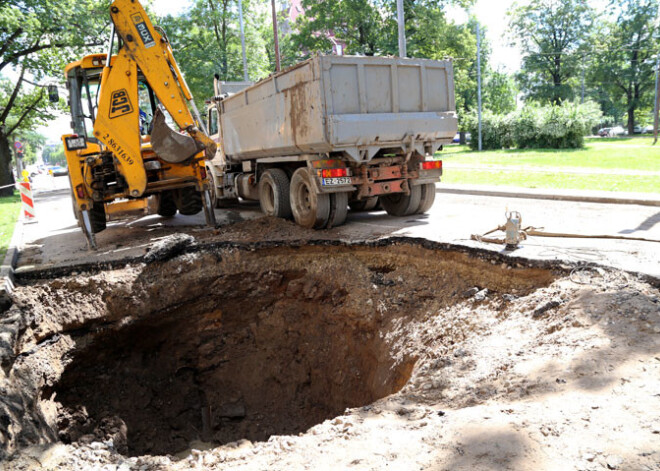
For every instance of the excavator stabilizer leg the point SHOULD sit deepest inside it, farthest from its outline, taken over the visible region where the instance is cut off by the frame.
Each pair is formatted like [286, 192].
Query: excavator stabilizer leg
[209, 212]
[87, 230]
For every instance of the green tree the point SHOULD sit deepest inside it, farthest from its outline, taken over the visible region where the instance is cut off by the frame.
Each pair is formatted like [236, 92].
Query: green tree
[37, 39]
[54, 155]
[499, 94]
[32, 142]
[552, 35]
[358, 23]
[624, 63]
[206, 41]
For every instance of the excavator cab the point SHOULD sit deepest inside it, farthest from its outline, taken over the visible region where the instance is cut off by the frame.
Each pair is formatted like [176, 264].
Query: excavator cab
[134, 135]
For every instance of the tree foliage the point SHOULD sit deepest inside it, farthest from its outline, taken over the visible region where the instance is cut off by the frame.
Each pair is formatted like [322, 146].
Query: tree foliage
[624, 63]
[37, 39]
[553, 35]
[499, 94]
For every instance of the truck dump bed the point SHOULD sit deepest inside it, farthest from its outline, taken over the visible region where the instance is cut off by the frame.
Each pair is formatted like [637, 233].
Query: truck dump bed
[357, 105]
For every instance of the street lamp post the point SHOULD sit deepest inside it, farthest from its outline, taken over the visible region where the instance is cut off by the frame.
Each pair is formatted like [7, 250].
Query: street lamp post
[402, 28]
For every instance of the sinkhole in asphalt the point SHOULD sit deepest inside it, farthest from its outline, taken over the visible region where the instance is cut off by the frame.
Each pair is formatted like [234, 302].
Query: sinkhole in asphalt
[253, 344]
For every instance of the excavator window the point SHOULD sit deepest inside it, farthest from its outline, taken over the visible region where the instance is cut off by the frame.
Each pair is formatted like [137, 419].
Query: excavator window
[83, 88]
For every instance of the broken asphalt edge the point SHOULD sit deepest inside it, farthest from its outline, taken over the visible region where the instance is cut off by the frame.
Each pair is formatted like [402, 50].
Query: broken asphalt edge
[558, 265]
[527, 193]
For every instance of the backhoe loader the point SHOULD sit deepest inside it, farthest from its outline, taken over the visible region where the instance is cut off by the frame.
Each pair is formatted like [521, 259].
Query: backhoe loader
[122, 149]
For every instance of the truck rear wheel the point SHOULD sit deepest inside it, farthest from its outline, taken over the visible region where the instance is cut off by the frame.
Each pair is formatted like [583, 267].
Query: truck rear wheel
[427, 198]
[367, 204]
[189, 202]
[338, 209]
[400, 204]
[310, 209]
[166, 204]
[274, 193]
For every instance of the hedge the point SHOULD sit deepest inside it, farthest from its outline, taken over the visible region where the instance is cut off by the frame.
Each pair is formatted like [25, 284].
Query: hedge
[536, 127]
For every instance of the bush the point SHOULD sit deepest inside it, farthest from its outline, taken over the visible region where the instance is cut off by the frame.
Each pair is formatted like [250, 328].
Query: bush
[496, 131]
[536, 127]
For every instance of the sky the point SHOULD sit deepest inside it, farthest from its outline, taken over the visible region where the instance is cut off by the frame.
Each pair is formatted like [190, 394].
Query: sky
[492, 15]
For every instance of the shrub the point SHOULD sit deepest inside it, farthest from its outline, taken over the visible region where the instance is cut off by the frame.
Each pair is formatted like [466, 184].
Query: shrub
[536, 127]
[496, 131]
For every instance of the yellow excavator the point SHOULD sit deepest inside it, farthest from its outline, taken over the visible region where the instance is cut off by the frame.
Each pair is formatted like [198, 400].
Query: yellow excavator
[123, 152]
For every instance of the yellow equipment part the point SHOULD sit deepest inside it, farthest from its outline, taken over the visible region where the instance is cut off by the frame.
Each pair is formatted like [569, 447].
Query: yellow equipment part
[118, 120]
[118, 160]
[122, 208]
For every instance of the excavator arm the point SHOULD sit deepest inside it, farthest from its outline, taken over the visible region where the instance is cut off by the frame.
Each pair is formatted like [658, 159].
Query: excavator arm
[143, 46]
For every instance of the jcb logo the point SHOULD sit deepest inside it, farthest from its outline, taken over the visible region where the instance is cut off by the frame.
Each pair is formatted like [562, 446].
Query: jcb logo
[120, 104]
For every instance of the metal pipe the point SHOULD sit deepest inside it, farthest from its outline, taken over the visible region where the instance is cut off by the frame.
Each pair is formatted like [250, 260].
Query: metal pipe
[583, 69]
[112, 42]
[240, 21]
[277, 42]
[402, 28]
[657, 100]
[479, 81]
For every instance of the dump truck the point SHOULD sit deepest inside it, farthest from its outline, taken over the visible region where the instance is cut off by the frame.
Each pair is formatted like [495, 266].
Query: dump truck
[333, 132]
[122, 151]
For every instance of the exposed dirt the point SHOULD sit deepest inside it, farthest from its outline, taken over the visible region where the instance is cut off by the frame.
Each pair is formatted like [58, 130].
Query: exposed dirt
[331, 357]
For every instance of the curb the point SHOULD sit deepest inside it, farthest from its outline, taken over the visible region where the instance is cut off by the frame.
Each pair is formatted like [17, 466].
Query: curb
[9, 263]
[526, 194]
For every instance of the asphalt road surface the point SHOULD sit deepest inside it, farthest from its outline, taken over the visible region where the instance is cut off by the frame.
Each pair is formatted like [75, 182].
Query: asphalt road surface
[56, 240]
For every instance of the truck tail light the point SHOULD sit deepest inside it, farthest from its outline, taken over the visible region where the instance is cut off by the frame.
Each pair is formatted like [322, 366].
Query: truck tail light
[80, 192]
[334, 172]
[431, 165]
[202, 172]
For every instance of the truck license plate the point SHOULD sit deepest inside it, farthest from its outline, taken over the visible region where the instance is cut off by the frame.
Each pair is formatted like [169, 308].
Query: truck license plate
[337, 181]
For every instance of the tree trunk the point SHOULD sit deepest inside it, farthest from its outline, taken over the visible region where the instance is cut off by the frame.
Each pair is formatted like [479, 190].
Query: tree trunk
[6, 177]
[462, 138]
[631, 121]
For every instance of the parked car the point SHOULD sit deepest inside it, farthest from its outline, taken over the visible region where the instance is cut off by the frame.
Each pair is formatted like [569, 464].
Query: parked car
[457, 138]
[638, 130]
[58, 171]
[617, 131]
[605, 132]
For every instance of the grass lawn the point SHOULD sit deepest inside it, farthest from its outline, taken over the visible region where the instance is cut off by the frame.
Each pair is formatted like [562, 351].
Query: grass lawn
[610, 154]
[636, 184]
[10, 208]
[616, 153]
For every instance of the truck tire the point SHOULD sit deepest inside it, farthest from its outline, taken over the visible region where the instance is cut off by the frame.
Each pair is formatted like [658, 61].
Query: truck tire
[310, 209]
[427, 198]
[97, 217]
[274, 193]
[400, 204]
[367, 204]
[166, 204]
[338, 209]
[189, 201]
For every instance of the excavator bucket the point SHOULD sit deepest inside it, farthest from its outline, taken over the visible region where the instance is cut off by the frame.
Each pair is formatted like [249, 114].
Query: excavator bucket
[170, 145]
